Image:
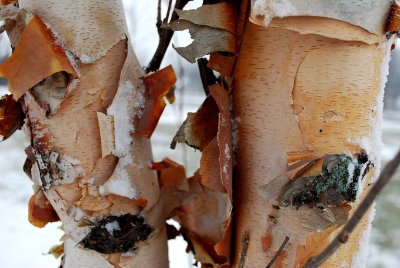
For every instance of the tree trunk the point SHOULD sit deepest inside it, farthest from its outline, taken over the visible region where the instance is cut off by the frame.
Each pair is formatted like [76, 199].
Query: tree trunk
[304, 87]
[96, 192]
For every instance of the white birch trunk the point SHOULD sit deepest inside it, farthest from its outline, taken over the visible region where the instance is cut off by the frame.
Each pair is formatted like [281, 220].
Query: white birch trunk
[92, 186]
[305, 86]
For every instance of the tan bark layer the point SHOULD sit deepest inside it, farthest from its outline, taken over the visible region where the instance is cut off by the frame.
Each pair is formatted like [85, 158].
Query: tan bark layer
[303, 94]
[83, 185]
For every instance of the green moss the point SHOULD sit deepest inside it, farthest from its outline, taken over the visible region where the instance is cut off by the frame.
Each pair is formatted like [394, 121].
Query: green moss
[337, 182]
[337, 176]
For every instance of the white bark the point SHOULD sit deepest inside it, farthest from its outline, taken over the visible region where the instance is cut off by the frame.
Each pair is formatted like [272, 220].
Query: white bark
[299, 91]
[95, 34]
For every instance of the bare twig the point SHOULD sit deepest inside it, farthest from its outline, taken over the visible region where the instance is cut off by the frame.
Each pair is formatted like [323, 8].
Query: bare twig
[206, 74]
[243, 251]
[165, 39]
[168, 11]
[158, 23]
[384, 178]
[278, 252]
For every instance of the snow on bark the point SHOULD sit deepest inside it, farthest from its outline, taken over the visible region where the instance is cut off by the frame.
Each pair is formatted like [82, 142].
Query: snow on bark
[122, 110]
[368, 14]
[324, 87]
[83, 186]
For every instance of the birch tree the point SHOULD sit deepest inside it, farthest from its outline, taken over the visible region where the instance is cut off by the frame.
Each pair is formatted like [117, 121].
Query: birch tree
[289, 131]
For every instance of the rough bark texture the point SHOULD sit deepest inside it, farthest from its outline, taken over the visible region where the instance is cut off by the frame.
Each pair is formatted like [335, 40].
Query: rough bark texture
[298, 94]
[83, 185]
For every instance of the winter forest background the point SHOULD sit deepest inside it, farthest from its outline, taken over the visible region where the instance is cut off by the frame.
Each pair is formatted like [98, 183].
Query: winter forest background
[22, 245]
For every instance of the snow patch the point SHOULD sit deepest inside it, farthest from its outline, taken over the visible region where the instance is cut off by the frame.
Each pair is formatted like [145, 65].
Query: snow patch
[372, 143]
[79, 214]
[227, 152]
[60, 43]
[360, 181]
[139, 103]
[71, 86]
[350, 169]
[360, 258]
[120, 182]
[35, 172]
[86, 59]
[67, 172]
[112, 226]
[225, 169]
[122, 109]
[71, 160]
[271, 8]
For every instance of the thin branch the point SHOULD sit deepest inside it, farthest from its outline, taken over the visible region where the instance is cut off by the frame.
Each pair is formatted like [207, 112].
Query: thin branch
[168, 11]
[278, 252]
[165, 39]
[159, 22]
[243, 251]
[206, 74]
[386, 174]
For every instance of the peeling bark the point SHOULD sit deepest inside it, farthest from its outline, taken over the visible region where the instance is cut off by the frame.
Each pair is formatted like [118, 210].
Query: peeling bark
[93, 170]
[311, 94]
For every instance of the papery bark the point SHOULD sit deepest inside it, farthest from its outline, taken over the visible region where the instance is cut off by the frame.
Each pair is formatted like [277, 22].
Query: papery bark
[305, 86]
[83, 185]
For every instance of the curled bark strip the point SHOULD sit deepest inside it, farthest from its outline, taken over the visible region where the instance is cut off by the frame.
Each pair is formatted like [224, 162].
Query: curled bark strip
[223, 247]
[53, 90]
[170, 174]
[210, 167]
[158, 85]
[40, 211]
[7, 2]
[36, 56]
[208, 223]
[224, 136]
[11, 116]
[89, 43]
[221, 16]
[57, 251]
[205, 218]
[199, 128]
[393, 23]
[106, 124]
[206, 40]
[221, 63]
[174, 189]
